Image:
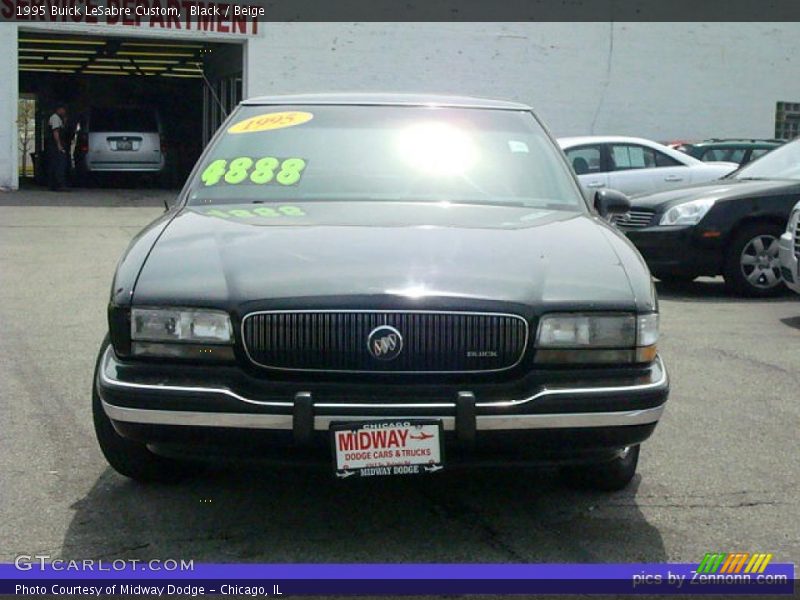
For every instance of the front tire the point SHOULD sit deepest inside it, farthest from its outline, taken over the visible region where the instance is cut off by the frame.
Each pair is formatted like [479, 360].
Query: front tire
[610, 476]
[126, 457]
[752, 266]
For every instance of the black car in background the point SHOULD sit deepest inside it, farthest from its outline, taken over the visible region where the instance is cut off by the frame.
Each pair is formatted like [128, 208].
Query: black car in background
[372, 279]
[729, 227]
[740, 151]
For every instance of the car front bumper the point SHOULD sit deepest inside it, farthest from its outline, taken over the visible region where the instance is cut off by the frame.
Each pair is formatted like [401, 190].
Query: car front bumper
[790, 264]
[558, 421]
[678, 250]
[125, 168]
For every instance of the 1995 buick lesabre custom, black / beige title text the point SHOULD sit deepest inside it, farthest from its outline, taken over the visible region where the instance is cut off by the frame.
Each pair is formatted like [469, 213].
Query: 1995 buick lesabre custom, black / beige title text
[392, 283]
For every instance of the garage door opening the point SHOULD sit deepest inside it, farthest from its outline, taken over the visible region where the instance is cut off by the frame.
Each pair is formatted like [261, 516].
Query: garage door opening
[139, 111]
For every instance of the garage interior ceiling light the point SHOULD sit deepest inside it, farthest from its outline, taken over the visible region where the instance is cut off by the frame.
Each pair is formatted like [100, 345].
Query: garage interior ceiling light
[63, 41]
[40, 66]
[60, 51]
[112, 57]
[138, 60]
[178, 54]
[38, 69]
[150, 45]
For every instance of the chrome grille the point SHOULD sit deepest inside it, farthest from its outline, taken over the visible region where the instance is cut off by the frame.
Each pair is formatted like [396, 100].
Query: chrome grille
[433, 342]
[633, 219]
[797, 239]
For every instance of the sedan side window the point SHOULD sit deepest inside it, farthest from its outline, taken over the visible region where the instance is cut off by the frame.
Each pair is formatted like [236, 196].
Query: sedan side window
[712, 154]
[725, 154]
[736, 155]
[662, 160]
[628, 156]
[585, 159]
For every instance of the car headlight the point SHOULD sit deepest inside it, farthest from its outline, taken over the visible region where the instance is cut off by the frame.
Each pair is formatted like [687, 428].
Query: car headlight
[688, 213]
[597, 338]
[181, 333]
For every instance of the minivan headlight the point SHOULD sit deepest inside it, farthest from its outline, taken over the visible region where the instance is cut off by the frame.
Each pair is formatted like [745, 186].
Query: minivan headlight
[688, 213]
[597, 338]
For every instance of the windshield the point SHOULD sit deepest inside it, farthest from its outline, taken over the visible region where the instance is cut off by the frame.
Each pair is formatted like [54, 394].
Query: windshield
[385, 153]
[781, 163]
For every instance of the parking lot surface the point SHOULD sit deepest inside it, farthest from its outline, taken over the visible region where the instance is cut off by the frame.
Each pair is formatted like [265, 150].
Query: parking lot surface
[720, 474]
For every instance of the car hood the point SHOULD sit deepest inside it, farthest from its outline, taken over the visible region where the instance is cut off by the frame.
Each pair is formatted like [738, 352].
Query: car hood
[723, 189]
[336, 254]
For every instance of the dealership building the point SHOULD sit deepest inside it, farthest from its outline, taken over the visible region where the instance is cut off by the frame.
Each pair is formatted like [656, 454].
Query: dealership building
[663, 81]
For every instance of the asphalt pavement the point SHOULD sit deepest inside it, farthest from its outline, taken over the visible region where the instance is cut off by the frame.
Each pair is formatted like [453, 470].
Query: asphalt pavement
[720, 474]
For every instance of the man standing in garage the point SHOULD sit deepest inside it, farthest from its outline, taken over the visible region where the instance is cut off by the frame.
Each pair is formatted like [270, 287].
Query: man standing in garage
[56, 149]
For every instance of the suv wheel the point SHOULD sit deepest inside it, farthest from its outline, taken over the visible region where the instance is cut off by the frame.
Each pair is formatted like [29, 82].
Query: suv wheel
[610, 476]
[752, 266]
[129, 458]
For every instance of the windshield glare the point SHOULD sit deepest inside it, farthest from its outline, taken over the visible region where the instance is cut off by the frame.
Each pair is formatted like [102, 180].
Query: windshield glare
[380, 153]
[781, 163]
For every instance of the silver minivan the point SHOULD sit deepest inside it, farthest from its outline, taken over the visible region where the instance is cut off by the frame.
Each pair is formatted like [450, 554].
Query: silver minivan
[119, 139]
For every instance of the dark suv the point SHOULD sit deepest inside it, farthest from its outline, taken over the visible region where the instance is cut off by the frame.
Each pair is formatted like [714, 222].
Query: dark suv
[730, 150]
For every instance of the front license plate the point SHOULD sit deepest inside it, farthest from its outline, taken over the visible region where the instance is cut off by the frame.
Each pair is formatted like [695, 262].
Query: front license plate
[377, 448]
[124, 145]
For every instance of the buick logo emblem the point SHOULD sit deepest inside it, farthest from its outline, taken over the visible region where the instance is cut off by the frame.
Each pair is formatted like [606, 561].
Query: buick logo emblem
[385, 343]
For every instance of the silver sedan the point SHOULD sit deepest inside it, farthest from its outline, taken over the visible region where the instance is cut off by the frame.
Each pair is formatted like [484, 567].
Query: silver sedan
[636, 166]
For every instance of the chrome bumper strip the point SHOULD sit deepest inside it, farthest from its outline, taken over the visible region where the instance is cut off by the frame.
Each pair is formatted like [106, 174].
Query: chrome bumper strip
[494, 422]
[110, 382]
[159, 387]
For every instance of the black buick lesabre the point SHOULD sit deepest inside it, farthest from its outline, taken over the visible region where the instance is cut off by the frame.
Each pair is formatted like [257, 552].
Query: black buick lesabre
[395, 284]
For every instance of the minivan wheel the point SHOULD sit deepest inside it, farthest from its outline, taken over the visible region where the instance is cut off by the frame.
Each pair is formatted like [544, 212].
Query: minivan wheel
[126, 457]
[752, 265]
[610, 476]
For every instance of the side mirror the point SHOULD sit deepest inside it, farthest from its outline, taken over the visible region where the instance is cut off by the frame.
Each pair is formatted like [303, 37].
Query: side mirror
[611, 202]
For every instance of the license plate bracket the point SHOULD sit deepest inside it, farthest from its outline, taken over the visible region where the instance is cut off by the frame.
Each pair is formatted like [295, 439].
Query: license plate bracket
[387, 447]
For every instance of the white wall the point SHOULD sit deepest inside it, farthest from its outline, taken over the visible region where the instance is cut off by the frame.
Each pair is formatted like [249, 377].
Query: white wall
[9, 173]
[657, 80]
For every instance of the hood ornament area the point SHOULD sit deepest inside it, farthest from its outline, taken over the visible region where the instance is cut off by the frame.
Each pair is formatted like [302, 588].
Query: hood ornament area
[385, 343]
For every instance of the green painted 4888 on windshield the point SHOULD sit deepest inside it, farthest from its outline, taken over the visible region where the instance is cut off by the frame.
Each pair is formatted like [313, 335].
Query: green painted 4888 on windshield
[262, 171]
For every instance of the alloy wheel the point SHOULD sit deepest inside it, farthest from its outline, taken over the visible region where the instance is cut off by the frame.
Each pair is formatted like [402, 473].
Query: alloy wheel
[760, 263]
